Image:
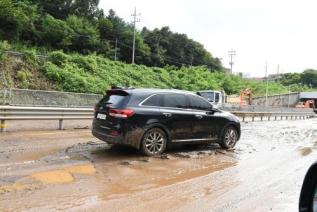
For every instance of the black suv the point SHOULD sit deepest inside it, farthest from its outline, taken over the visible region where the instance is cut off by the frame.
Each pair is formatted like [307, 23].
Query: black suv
[151, 119]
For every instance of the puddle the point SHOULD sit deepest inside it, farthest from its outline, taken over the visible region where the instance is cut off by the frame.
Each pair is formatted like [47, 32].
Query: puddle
[84, 169]
[34, 155]
[63, 175]
[12, 187]
[306, 151]
[158, 173]
[54, 177]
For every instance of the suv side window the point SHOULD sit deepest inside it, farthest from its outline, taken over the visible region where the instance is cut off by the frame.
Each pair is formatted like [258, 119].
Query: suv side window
[176, 100]
[198, 103]
[155, 100]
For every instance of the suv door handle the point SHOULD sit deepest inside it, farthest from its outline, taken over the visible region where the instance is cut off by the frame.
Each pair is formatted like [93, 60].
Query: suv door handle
[199, 116]
[167, 114]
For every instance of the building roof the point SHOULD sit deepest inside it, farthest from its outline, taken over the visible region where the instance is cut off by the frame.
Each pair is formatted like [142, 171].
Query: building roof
[308, 95]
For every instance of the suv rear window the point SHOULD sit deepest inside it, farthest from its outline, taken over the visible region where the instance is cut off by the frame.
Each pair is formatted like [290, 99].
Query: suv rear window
[115, 97]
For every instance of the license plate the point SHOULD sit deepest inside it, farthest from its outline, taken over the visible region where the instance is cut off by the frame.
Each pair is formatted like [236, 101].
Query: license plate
[101, 116]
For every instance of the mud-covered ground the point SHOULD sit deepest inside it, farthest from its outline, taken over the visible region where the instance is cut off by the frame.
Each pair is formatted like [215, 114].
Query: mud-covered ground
[71, 170]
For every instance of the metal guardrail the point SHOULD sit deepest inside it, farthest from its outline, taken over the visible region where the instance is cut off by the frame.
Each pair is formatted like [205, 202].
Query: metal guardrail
[42, 113]
[256, 108]
[275, 115]
[60, 114]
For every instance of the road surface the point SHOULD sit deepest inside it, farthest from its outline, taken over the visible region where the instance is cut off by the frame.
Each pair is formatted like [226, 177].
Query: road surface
[71, 170]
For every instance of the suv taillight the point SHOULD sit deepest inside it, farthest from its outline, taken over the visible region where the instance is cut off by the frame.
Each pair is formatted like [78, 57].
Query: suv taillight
[121, 113]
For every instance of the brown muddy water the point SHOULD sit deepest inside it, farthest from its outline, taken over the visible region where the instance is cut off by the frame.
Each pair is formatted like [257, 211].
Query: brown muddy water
[70, 170]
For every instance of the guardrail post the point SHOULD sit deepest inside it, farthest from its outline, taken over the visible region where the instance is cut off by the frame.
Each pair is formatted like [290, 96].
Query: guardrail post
[281, 117]
[252, 118]
[268, 118]
[261, 118]
[275, 118]
[2, 126]
[60, 124]
[243, 117]
[286, 117]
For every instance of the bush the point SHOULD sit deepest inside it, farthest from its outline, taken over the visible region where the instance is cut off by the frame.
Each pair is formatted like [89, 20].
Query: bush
[24, 77]
[58, 58]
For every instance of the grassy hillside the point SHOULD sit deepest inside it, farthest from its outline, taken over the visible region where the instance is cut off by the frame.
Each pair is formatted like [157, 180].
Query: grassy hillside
[95, 74]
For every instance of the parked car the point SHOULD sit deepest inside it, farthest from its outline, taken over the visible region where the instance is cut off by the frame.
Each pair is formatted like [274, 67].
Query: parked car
[308, 195]
[151, 119]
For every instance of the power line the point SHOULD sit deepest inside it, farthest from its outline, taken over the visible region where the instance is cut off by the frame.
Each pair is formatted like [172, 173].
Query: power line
[135, 20]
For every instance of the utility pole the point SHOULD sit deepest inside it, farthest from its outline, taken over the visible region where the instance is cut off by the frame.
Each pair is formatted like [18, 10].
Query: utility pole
[267, 86]
[135, 20]
[289, 96]
[191, 61]
[157, 50]
[115, 50]
[231, 53]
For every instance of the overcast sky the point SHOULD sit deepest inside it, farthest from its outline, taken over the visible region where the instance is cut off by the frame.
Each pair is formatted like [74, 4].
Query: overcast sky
[280, 32]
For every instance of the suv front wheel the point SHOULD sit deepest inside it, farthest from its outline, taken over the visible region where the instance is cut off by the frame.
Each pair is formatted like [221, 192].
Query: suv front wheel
[229, 138]
[154, 142]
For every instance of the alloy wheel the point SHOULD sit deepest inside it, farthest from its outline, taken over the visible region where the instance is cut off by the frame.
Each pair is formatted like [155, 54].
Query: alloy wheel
[231, 137]
[154, 142]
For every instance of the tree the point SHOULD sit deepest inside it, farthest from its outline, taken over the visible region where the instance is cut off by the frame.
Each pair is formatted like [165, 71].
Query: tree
[177, 49]
[105, 28]
[309, 78]
[17, 20]
[61, 9]
[79, 26]
[85, 8]
[291, 78]
[56, 33]
[85, 37]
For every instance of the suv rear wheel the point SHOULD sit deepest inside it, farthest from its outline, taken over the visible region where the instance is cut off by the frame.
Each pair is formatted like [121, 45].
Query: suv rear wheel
[154, 142]
[229, 138]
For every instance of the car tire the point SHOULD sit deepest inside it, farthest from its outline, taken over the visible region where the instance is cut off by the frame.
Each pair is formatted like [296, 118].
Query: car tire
[229, 138]
[154, 142]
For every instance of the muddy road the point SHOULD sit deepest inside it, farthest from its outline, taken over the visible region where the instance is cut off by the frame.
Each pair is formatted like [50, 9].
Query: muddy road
[71, 170]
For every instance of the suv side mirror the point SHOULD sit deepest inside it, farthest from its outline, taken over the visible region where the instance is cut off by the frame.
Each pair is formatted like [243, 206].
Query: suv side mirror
[308, 195]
